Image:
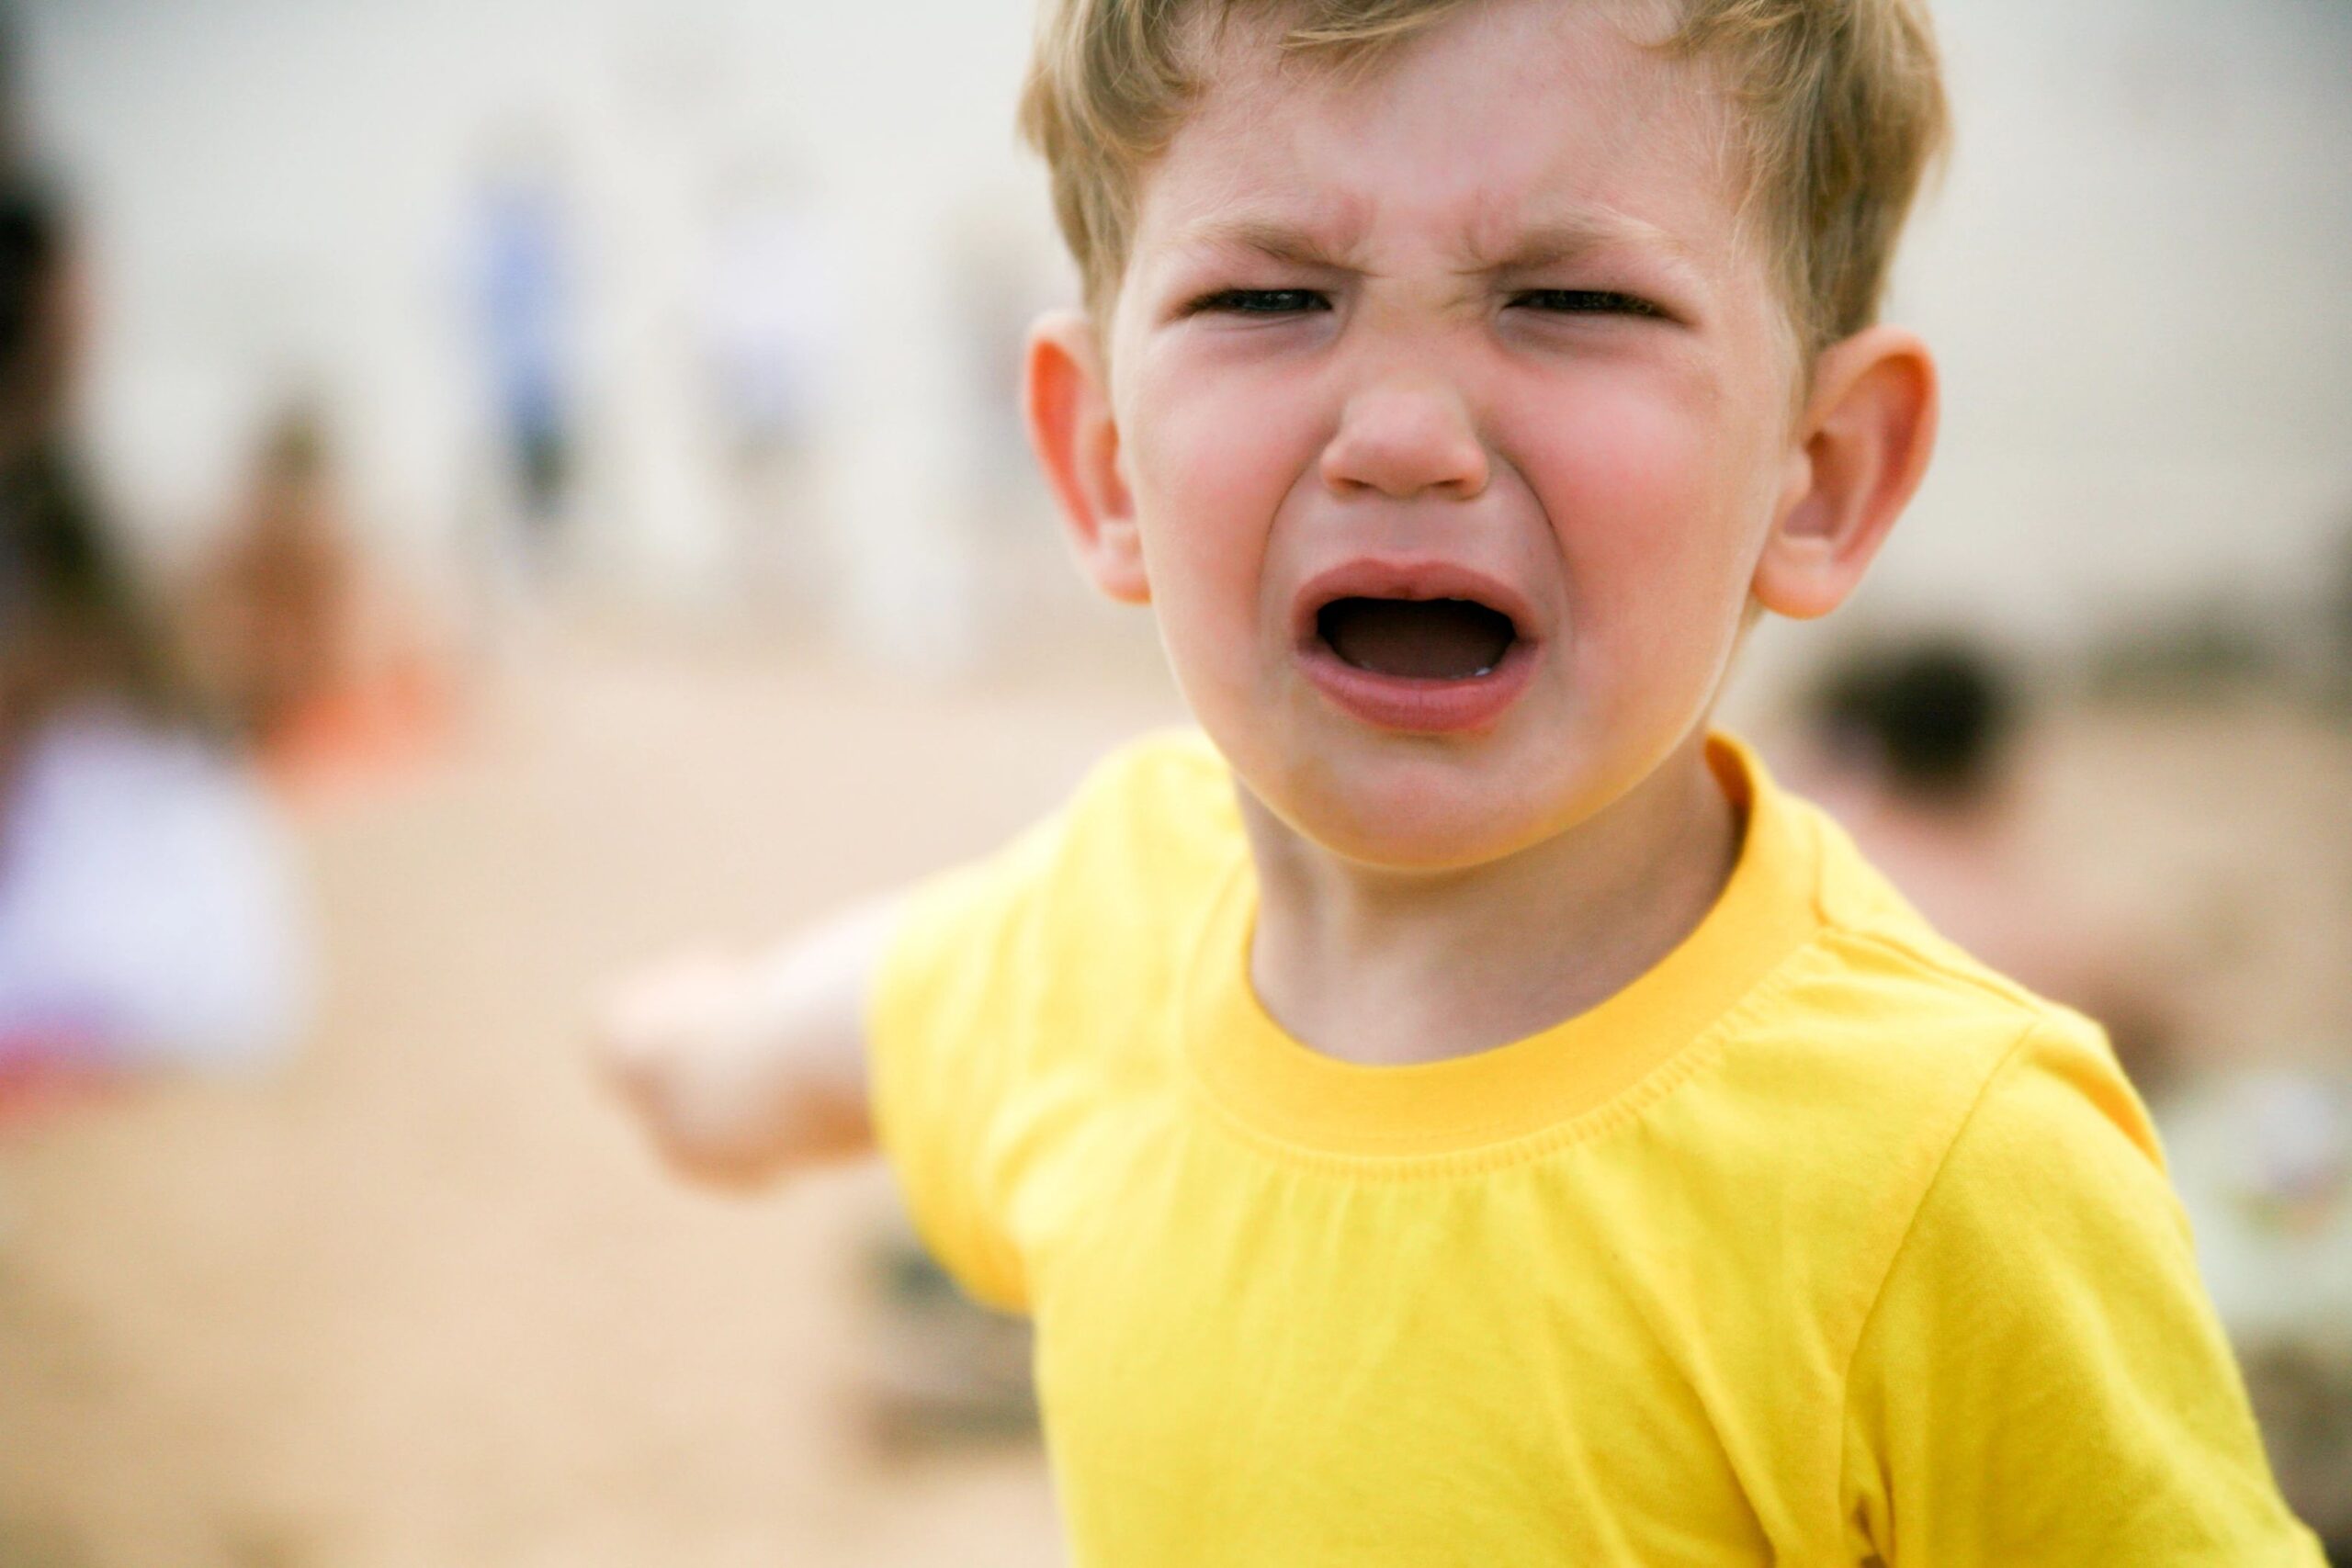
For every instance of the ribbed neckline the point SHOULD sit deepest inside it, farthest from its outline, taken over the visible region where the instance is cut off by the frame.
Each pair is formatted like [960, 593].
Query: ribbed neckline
[1293, 1095]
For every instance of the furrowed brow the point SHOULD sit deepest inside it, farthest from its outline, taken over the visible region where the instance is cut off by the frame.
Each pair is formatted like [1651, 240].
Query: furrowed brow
[1273, 238]
[1572, 240]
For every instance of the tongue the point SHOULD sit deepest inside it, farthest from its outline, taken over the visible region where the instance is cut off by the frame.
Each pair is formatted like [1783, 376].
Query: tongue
[1429, 640]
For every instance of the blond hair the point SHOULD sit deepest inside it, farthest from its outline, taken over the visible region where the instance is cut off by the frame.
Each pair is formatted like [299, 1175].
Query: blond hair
[1841, 111]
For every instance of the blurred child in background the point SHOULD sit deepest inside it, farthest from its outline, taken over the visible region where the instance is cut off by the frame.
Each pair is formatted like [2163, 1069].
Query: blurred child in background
[149, 913]
[1920, 750]
[298, 637]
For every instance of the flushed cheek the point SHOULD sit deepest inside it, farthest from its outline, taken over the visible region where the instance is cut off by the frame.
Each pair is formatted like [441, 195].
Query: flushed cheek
[1208, 482]
[1649, 530]
[1225, 442]
[1646, 518]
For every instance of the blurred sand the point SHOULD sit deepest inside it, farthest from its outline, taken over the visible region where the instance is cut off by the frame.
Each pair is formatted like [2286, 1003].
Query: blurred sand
[425, 1302]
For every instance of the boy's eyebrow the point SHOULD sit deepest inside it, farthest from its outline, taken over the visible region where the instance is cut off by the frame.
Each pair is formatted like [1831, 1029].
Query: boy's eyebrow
[1573, 239]
[1271, 237]
[1541, 245]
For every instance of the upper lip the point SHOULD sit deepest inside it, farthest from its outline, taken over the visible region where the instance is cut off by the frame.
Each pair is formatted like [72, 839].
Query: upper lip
[1406, 576]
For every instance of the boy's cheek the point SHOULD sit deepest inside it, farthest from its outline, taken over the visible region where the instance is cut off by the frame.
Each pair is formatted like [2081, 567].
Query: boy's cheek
[1220, 444]
[1636, 493]
[1208, 488]
[1602, 447]
[1205, 597]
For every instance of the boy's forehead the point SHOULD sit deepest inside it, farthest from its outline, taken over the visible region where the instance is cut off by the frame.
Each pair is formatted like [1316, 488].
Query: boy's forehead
[1516, 129]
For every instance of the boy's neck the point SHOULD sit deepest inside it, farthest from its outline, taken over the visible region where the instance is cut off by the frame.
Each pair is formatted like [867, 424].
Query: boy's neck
[1386, 967]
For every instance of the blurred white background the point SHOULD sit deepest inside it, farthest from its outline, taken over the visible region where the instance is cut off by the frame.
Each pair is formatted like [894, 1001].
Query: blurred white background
[2136, 277]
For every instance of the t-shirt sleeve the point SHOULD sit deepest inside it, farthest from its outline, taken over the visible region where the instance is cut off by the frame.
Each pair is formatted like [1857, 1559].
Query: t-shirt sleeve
[2041, 1380]
[1007, 988]
[944, 1028]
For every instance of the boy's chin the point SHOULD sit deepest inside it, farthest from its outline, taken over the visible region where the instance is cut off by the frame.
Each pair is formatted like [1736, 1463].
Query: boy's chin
[1414, 824]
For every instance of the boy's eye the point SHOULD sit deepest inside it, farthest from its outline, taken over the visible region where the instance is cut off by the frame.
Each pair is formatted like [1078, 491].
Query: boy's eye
[1259, 302]
[1584, 301]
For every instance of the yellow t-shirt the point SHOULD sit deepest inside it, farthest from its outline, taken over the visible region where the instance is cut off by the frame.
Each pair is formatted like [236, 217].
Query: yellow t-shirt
[1818, 1244]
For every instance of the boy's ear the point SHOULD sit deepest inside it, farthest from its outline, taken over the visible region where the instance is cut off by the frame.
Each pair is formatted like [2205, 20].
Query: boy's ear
[1068, 403]
[1858, 453]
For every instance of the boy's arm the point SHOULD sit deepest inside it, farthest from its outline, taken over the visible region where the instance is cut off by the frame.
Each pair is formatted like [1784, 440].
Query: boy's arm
[743, 1071]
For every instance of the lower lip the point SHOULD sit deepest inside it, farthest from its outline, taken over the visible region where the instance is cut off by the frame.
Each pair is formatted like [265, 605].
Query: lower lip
[1415, 704]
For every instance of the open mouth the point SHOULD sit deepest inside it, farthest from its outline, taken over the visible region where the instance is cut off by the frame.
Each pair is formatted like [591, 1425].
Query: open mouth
[1417, 640]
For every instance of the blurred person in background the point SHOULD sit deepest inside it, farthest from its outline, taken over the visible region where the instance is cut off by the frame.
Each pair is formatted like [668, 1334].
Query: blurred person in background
[148, 908]
[523, 275]
[299, 638]
[1917, 748]
[277, 602]
[764, 315]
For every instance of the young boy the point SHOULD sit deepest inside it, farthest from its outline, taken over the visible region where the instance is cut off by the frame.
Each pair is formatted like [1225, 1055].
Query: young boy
[1459, 1111]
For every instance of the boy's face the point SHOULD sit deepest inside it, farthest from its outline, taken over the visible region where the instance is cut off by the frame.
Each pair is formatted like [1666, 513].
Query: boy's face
[1451, 412]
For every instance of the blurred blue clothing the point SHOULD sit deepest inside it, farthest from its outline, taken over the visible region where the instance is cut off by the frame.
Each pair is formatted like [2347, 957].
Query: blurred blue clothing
[525, 306]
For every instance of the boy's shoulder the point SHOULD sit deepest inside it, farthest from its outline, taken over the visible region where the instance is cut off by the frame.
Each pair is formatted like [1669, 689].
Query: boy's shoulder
[1874, 943]
[1150, 835]
[1158, 813]
[1878, 1017]
[1171, 774]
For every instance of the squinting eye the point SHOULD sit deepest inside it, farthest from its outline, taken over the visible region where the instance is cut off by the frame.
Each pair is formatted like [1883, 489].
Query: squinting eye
[1259, 302]
[1586, 301]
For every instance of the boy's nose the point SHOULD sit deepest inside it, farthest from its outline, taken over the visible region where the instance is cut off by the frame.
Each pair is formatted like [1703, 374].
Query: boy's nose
[1402, 439]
